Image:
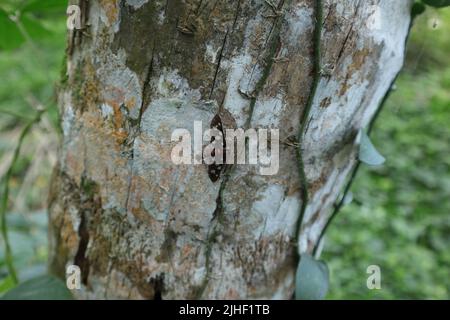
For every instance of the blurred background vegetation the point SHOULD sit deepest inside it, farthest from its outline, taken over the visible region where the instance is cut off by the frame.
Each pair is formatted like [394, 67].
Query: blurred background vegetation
[398, 220]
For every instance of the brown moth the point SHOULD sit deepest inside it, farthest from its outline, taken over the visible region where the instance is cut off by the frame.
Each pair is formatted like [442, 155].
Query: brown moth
[222, 120]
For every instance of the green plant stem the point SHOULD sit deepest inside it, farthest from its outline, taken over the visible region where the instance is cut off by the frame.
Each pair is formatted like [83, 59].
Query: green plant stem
[15, 114]
[305, 115]
[5, 196]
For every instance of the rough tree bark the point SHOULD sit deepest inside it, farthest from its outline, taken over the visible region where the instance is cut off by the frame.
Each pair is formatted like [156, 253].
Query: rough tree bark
[140, 226]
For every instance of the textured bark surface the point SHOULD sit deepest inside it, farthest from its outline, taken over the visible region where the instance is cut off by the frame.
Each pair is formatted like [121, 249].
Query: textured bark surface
[140, 226]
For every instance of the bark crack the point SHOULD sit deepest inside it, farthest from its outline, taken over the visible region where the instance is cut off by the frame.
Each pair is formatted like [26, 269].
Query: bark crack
[88, 206]
[145, 102]
[219, 61]
[349, 33]
[80, 257]
[146, 87]
[236, 15]
[158, 286]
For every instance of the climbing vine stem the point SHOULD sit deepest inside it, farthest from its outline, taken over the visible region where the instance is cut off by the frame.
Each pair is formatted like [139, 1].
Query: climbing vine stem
[305, 115]
[5, 195]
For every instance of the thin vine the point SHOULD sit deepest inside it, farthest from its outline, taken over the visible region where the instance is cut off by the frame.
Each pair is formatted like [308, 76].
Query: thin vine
[305, 115]
[4, 198]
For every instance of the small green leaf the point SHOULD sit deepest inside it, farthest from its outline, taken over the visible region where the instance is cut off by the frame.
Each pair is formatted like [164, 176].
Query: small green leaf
[10, 35]
[40, 288]
[312, 279]
[368, 154]
[348, 198]
[417, 9]
[437, 3]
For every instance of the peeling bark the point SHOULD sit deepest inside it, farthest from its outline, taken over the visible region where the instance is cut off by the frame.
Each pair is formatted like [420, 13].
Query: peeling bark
[142, 227]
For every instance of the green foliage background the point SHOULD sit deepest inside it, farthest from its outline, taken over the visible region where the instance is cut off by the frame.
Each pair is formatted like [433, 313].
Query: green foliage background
[399, 219]
[400, 216]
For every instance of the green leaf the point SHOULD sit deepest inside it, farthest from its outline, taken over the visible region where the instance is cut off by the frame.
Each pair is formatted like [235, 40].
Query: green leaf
[368, 154]
[348, 198]
[46, 6]
[437, 3]
[6, 284]
[40, 288]
[10, 35]
[417, 9]
[312, 279]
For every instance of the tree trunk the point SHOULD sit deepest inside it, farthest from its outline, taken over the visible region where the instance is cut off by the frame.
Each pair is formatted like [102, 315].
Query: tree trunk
[139, 226]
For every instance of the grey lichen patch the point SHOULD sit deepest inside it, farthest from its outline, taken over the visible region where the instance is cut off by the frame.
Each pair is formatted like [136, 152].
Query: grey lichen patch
[120, 85]
[110, 11]
[171, 85]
